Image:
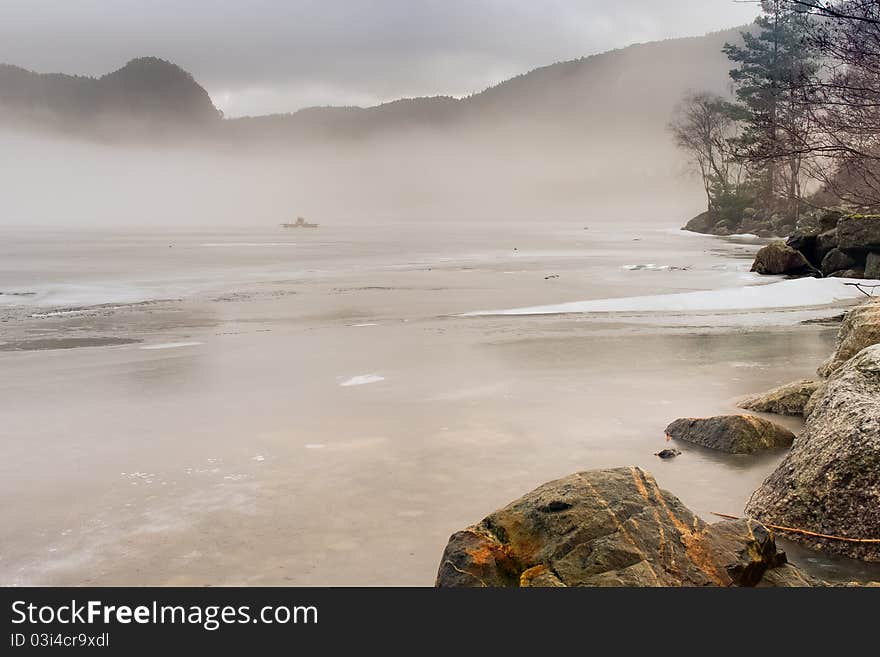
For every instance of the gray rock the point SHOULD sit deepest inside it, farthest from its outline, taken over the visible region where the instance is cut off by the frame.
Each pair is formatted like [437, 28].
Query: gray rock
[814, 399]
[825, 242]
[606, 528]
[702, 223]
[859, 233]
[829, 483]
[668, 453]
[849, 273]
[736, 434]
[829, 218]
[724, 228]
[805, 242]
[837, 260]
[779, 258]
[872, 266]
[860, 329]
[789, 399]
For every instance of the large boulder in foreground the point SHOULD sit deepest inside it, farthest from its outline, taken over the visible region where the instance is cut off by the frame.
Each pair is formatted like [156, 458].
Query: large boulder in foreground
[606, 528]
[779, 258]
[790, 399]
[830, 481]
[860, 329]
[736, 434]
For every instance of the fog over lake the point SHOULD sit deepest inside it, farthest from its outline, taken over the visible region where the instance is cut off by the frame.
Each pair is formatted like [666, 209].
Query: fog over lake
[497, 292]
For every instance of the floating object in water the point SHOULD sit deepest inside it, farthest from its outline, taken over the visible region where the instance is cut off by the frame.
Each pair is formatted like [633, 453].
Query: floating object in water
[299, 223]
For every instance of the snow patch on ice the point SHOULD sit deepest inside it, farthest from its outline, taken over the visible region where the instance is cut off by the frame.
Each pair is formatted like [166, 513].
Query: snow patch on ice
[215, 245]
[796, 293]
[362, 379]
[170, 345]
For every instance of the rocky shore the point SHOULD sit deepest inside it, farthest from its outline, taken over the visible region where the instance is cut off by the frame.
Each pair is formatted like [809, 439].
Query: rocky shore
[820, 243]
[618, 528]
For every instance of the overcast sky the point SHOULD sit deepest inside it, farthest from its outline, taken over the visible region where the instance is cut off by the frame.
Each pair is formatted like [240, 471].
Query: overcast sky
[260, 56]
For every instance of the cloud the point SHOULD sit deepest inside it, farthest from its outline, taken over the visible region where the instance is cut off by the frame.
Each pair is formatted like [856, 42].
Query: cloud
[256, 56]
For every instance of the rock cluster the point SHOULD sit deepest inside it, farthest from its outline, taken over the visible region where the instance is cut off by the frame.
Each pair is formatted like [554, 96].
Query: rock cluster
[823, 242]
[850, 249]
[829, 483]
[763, 223]
[618, 528]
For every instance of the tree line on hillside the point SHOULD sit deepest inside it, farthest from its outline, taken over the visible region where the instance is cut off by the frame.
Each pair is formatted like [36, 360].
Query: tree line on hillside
[802, 129]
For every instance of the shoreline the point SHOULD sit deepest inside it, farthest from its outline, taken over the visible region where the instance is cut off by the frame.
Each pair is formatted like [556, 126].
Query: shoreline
[509, 554]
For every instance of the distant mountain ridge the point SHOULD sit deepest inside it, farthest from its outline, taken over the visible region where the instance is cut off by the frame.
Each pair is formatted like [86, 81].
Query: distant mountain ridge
[639, 84]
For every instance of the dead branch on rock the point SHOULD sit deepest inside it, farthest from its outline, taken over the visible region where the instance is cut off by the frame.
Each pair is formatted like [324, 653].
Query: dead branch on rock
[804, 531]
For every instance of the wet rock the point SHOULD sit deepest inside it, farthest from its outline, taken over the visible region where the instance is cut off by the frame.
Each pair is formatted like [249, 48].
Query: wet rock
[830, 481]
[872, 266]
[789, 399]
[837, 260]
[619, 529]
[779, 258]
[859, 233]
[860, 329]
[668, 453]
[736, 434]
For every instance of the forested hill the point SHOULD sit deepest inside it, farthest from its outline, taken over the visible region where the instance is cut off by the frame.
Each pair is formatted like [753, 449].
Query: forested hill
[146, 91]
[634, 87]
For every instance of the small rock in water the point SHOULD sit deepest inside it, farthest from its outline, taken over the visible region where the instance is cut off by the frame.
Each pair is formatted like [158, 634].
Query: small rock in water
[547, 278]
[667, 453]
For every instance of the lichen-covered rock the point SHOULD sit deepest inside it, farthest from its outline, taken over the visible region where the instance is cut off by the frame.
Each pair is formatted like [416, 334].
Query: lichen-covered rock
[829, 483]
[606, 528]
[779, 258]
[859, 233]
[860, 329]
[837, 260]
[789, 399]
[736, 434]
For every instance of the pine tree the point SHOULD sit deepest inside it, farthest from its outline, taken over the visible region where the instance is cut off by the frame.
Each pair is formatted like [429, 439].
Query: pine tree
[773, 68]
